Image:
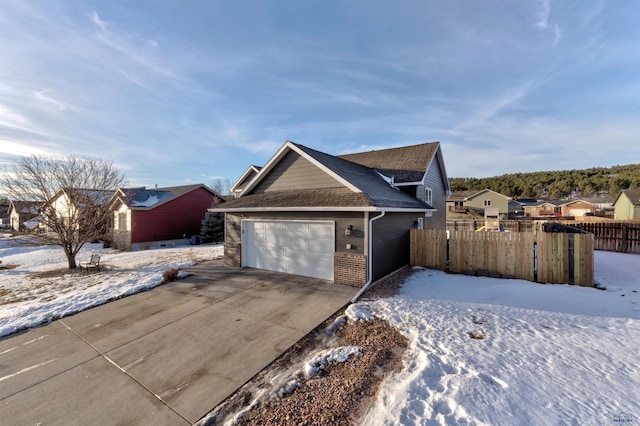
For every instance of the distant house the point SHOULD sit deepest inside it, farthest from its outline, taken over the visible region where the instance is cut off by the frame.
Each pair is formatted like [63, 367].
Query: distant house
[340, 218]
[474, 202]
[159, 217]
[244, 180]
[627, 204]
[22, 214]
[66, 204]
[560, 208]
[4, 216]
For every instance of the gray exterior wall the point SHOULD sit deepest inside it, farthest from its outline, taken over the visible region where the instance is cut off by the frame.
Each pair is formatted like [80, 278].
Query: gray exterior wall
[295, 172]
[433, 180]
[390, 250]
[342, 220]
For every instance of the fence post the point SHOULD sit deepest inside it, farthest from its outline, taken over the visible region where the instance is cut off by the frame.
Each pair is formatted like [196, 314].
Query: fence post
[571, 260]
[625, 237]
[535, 261]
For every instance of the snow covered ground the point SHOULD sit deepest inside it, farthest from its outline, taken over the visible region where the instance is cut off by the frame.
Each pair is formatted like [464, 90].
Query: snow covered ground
[483, 350]
[542, 354]
[27, 300]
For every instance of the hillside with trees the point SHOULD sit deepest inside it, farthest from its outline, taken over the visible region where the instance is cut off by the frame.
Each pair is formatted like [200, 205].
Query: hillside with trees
[596, 181]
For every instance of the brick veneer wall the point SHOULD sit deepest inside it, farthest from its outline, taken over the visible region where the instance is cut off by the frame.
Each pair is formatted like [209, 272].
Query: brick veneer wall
[349, 269]
[232, 254]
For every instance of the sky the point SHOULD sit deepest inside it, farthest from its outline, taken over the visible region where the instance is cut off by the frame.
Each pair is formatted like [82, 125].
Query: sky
[176, 92]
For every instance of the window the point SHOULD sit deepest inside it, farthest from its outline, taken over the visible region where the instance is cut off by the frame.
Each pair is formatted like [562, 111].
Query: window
[487, 203]
[122, 221]
[428, 196]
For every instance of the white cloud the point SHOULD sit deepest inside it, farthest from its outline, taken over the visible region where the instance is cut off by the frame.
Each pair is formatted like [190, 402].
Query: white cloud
[19, 149]
[49, 102]
[543, 14]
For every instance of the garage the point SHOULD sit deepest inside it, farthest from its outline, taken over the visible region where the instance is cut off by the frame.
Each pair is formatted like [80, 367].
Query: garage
[295, 247]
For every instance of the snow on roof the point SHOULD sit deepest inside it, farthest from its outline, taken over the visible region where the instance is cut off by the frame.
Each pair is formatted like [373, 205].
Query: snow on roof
[149, 202]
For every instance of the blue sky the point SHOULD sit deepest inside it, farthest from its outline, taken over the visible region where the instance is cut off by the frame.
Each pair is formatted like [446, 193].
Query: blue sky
[177, 92]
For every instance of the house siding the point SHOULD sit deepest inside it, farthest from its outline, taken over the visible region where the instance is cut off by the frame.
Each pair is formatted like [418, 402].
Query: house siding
[295, 172]
[578, 208]
[624, 209]
[172, 220]
[433, 180]
[390, 242]
[122, 237]
[497, 200]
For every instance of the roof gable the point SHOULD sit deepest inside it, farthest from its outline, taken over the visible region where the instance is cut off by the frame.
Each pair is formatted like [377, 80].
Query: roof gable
[404, 164]
[282, 152]
[632, 194]
[341, 175]
[246, 177]
[144, 199]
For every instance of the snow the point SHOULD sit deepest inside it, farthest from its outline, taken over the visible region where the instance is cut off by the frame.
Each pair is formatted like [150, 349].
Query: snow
[542, 354]
[149, 202]
[316, 365]
[482, 350]
[28, 301]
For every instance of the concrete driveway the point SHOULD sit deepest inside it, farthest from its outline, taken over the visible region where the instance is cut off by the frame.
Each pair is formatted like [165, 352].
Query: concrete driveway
[166, 356]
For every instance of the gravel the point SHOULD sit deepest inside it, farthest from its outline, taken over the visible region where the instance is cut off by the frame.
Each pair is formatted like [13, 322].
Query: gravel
[341, 394]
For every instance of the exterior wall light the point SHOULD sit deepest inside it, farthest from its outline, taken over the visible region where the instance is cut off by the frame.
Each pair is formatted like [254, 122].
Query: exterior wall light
[348, 229]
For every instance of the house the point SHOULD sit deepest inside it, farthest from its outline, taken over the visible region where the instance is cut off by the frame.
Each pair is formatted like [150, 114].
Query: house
[560, 208]
[159, 217]
[22, 213]
[66, 204]
[244, 180]
[4, 216]
[340, 218]
[474, 202]
[627, 204]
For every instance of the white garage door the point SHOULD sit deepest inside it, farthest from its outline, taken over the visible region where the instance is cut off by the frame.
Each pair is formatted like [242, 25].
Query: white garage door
[300, 248]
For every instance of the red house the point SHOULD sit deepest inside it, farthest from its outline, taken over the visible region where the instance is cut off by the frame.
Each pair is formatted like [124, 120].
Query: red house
[159, 217]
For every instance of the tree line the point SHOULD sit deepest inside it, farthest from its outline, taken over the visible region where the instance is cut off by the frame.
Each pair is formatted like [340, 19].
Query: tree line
[592, 182]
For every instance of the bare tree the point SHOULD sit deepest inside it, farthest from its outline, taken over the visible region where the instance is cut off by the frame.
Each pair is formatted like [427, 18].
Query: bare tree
[222, 186]
[73, 194]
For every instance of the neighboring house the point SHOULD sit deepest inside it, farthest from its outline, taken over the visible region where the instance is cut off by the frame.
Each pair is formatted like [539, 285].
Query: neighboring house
[560, 208]
[21, 213]
[475, 201]
[66, 202]
[159, 217]
[244, 180]
[341, 218]
[516, 209]
[627, 204]
[4, 216]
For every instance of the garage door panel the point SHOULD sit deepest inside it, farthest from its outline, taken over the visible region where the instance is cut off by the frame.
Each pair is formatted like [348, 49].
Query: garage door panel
[301, 248]
[321, 239]
[321, 266]
[272, 262]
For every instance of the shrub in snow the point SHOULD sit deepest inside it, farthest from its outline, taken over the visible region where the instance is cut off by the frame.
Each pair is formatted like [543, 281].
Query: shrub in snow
[169, 275]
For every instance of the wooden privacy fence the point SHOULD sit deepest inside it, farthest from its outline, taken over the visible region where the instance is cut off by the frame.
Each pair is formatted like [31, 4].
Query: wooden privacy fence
[546, 257]
[618, 236]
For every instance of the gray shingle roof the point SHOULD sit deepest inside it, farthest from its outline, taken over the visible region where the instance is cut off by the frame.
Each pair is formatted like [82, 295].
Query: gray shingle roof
[375, 188]
[376, 192]
[148, 198]
[405, 164]
[633, 195]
